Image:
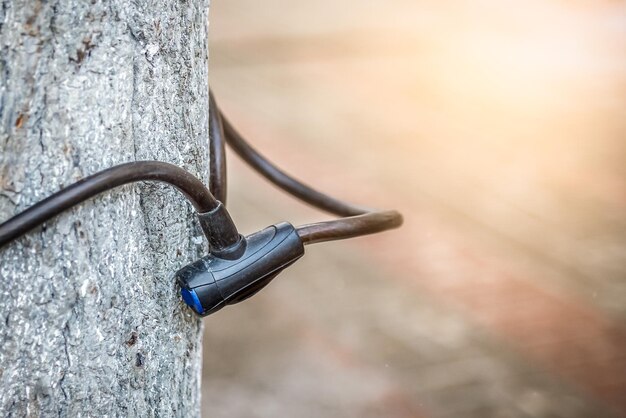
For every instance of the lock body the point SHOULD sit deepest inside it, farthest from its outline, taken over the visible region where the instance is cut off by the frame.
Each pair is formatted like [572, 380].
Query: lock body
[212, 282]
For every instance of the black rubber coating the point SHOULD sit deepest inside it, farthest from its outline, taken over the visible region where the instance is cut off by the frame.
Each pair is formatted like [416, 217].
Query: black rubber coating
[357, 220]
[195, 191]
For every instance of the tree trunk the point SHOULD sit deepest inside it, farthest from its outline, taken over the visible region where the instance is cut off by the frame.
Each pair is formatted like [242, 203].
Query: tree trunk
[91, 322]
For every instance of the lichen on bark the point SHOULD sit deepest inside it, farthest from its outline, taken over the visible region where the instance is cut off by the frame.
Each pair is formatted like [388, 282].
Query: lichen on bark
[90, 320]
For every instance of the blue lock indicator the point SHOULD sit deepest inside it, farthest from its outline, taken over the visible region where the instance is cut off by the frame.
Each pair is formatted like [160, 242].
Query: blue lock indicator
[191, 299]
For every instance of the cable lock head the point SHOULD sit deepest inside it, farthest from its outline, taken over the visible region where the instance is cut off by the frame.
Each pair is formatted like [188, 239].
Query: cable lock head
[213, 282]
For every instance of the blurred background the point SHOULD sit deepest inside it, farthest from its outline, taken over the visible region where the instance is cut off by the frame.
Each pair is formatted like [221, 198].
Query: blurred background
[498, 129]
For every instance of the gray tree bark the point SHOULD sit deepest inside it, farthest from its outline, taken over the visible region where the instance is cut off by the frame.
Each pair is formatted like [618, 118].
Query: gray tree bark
[91, 323]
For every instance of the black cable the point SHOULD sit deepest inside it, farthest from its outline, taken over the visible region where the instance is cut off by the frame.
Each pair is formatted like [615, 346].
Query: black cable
[358, 221]
[217, 153]
[195, 191]
[350, 227]
[214, 218]
[281, 179]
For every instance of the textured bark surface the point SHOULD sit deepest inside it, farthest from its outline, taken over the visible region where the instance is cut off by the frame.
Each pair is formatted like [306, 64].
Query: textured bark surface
[90, 320]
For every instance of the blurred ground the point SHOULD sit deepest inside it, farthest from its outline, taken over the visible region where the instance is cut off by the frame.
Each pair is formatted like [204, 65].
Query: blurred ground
[499, 129]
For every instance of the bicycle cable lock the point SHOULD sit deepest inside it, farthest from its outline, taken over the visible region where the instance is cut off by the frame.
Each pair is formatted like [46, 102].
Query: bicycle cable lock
[236, 267]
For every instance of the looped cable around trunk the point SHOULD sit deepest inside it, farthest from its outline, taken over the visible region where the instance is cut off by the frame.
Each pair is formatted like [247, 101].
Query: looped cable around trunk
[357, 221]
